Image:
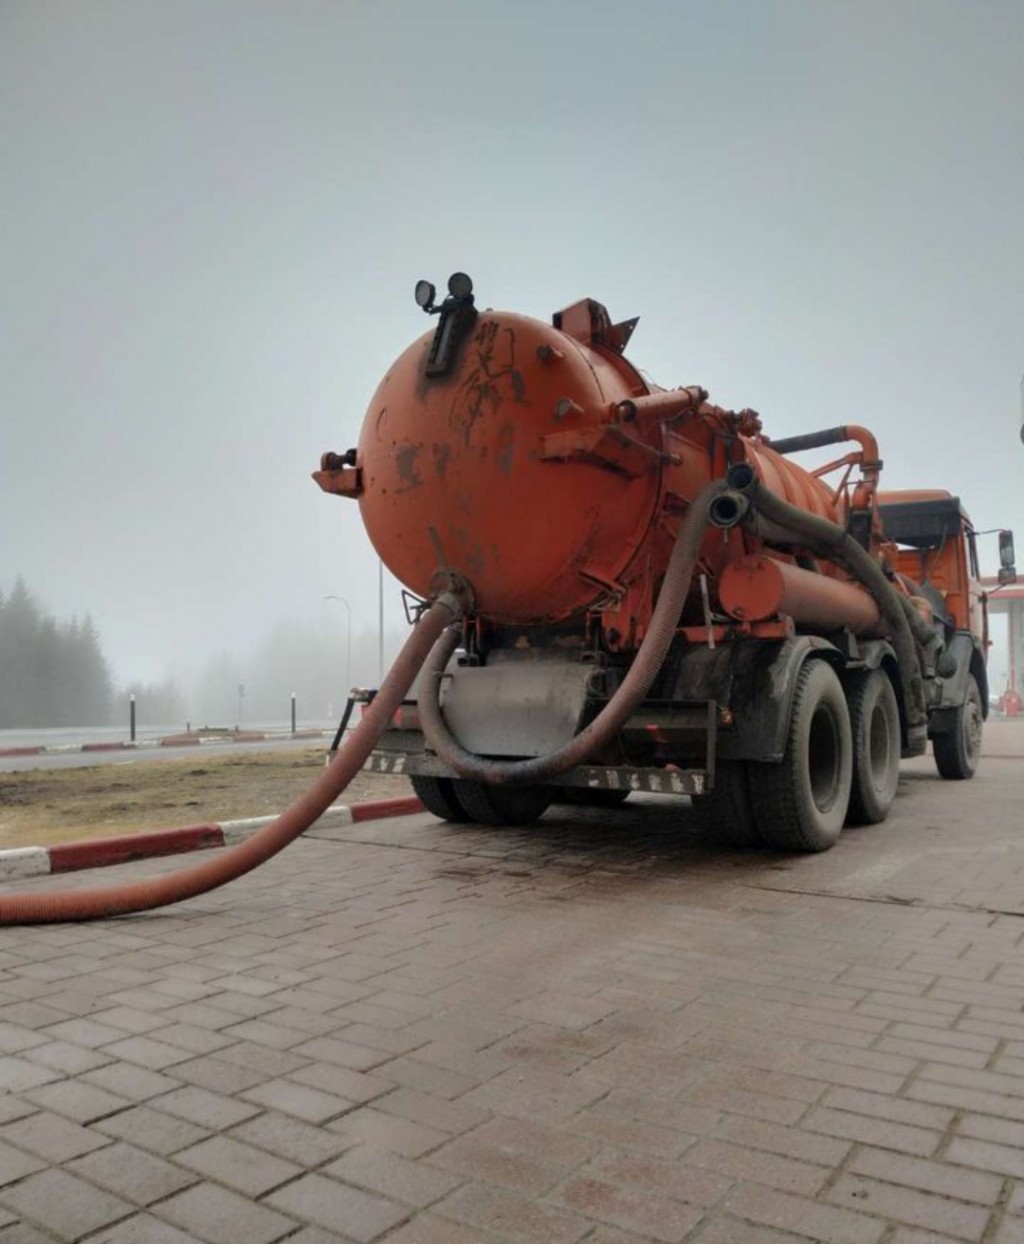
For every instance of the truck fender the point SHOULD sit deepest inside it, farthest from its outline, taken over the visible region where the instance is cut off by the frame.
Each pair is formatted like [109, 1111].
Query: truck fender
[754, 681]
[963, 649]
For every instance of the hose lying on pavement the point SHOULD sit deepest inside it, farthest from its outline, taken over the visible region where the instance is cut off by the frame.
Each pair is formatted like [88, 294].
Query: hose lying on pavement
[627, 698]
[184, 883]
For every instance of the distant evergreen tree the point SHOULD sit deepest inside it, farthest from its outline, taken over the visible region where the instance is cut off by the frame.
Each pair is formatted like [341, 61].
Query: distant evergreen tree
[50, 674]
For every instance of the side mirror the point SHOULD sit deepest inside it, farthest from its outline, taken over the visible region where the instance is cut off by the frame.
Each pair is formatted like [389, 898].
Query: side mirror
[1007, 559]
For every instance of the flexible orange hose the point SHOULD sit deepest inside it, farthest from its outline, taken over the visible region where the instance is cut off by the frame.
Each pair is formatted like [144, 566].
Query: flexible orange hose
[132, 896]
[627, 698]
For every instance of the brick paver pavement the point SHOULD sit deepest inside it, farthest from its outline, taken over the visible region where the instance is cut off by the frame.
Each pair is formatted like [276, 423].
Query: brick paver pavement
[598, 1029]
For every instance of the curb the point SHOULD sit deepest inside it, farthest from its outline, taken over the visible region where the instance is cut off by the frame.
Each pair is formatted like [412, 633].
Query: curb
[171, 740]
[65, 857]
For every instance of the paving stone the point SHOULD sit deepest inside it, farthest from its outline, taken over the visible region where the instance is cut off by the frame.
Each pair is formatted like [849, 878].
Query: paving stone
[16, 1163]
[344, 1053]
[939, 1177]
[67, 1057]
[916, 1209]
[23, 1233]
[133, 1083]
[399, 1178]
[222, 1217]
[356, 1086]
[672, 1179]
[516, 1154]
[211, 1110]
[131, 1173]
[314, 1235]
[297, 1099]
[386, 1131]
[61, 1203]
[18, 1074]
[140, 1229]
[12, 1108]
[76, 1100]
[240, 1166]
[328, 1203]
[806, 1217]
[757, 1166]
[293, 1140]
[152, 1129]
[218, 1075]
[426, 1229]
[14, 1038]
[52, 1137]
[513, 1217]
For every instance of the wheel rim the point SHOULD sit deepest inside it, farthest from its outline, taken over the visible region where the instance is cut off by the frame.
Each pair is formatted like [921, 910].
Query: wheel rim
[972, 728]
[824, 756]
[879, 746]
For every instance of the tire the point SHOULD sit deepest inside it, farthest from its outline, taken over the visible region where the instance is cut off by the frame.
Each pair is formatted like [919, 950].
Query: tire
[503, 805]
[728, 808]
[875, 725]
[587, 797]
[958, 751]
[438, 796]
[801, 802]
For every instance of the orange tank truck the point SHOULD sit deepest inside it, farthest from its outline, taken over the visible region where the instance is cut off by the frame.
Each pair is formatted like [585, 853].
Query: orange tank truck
[662, 599]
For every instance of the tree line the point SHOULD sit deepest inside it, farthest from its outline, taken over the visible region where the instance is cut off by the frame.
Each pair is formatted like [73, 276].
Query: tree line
[54, 673]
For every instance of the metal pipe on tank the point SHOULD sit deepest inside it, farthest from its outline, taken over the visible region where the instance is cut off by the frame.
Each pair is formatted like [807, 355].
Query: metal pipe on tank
[757, 587]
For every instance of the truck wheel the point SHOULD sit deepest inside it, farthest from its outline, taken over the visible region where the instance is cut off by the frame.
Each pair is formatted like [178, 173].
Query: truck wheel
[875, 724]
[800, 803]
[503, 805]
[958, 751]
[591, 797]
[728, 809]
[438, 796]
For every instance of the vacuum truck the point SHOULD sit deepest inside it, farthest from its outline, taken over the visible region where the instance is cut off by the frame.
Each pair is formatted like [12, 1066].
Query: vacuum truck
[617, 587]
[656, 596]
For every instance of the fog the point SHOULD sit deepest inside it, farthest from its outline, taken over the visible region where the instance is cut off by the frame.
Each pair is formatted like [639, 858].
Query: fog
[214, 213]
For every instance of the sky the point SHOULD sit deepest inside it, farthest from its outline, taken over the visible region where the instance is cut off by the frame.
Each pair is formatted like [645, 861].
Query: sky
[214, 214]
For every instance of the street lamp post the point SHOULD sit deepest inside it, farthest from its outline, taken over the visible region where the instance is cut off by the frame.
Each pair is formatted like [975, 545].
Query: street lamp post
[348, 644]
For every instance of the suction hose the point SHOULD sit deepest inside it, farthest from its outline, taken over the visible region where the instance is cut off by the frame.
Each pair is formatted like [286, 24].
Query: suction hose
[776, 520]
[627, 698]
[133, 896]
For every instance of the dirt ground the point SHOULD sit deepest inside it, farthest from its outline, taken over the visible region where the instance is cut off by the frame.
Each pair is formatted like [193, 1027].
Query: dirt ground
[43, 807]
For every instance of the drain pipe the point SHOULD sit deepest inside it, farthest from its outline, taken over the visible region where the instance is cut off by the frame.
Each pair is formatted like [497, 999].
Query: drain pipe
[184, 883]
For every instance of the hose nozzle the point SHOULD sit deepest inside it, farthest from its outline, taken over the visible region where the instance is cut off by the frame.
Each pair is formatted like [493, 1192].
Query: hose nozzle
[741, 477]
[727, 509]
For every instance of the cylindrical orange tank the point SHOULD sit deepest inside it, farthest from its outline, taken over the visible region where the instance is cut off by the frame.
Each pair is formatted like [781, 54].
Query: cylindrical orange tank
[452, 471]
[542, 468]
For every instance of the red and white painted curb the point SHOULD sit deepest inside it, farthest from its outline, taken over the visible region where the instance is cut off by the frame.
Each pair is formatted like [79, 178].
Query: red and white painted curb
[66, 857]
[172, 740]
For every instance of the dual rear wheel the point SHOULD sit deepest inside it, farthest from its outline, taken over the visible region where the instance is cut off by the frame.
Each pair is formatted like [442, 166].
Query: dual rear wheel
[458, 800]
[841, 765]
[461, 801]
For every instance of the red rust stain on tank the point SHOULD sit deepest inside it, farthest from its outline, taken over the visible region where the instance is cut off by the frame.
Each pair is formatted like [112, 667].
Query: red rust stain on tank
[506, 447]
[442, 455]
[405, 461]
[493, 380]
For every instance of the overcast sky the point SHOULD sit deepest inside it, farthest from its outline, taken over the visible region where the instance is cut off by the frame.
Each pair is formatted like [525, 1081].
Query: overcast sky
[213, 215]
